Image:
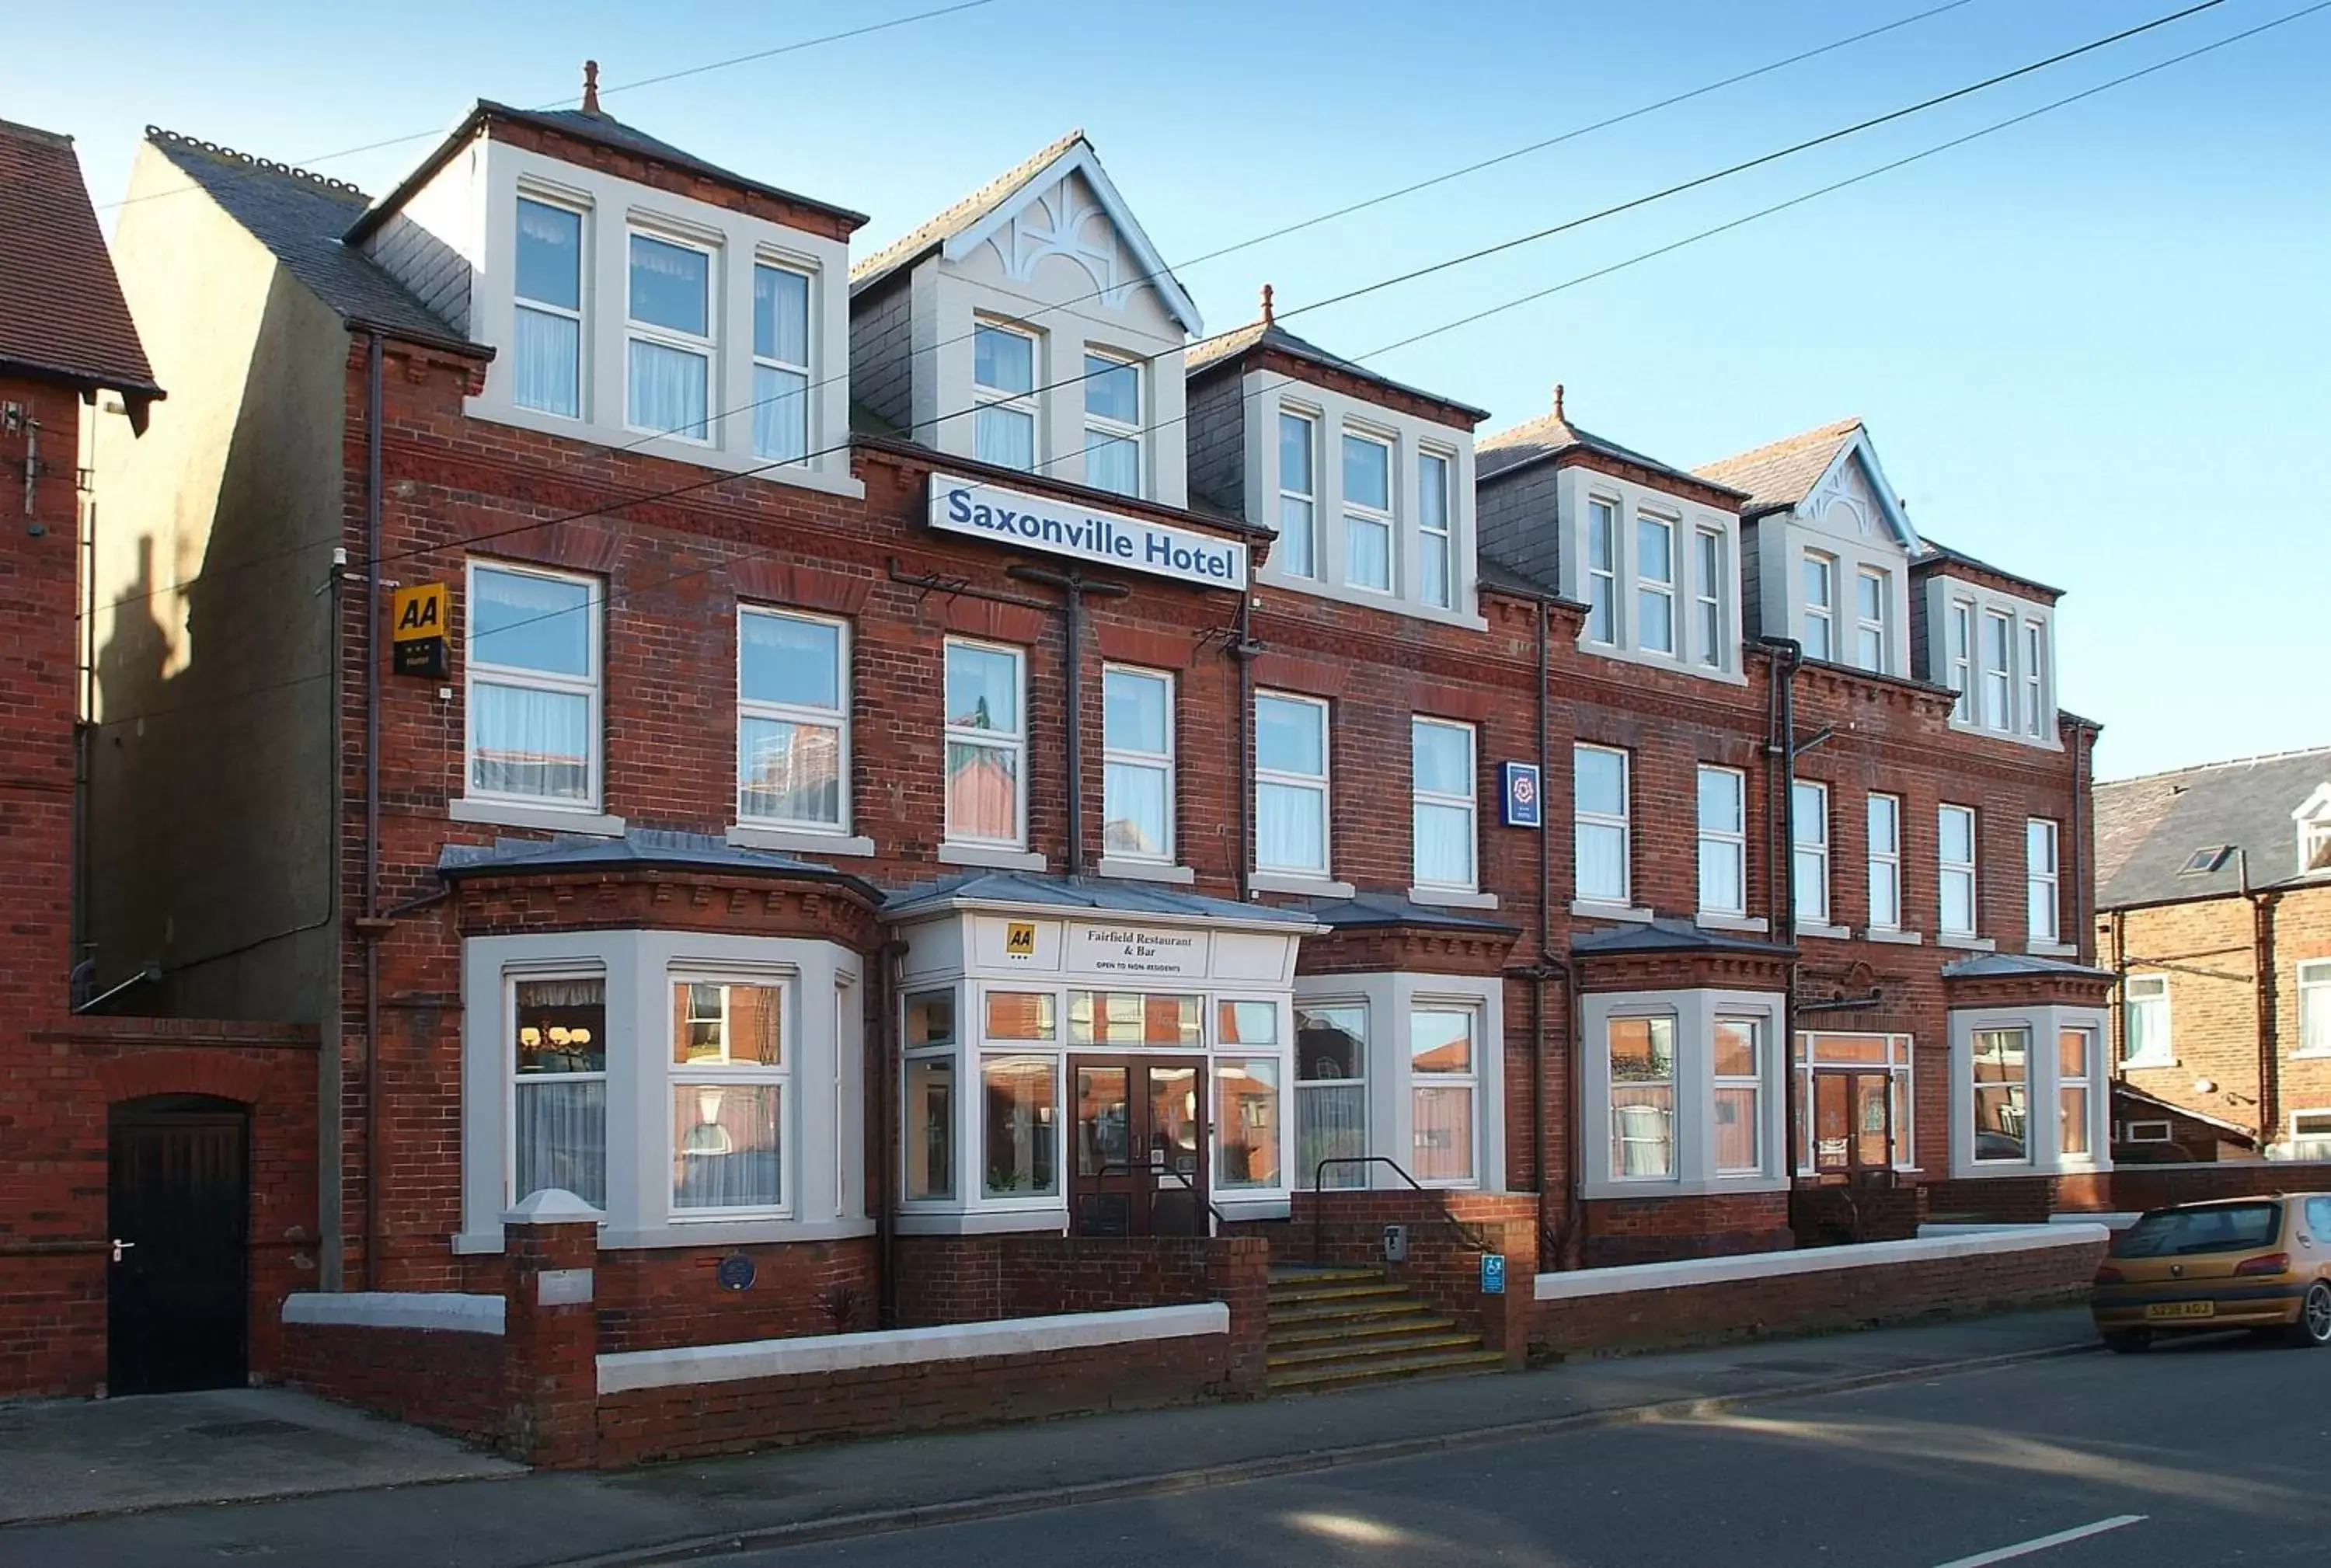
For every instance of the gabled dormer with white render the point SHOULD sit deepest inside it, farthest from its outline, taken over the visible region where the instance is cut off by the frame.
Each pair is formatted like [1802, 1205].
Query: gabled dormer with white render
[1032, 326]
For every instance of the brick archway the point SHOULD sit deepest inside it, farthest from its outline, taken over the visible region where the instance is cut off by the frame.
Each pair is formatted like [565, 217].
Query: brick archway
[165, 1072]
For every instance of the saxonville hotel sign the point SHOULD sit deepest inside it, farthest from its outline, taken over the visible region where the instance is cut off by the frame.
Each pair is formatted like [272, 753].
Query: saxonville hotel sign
[960, 506]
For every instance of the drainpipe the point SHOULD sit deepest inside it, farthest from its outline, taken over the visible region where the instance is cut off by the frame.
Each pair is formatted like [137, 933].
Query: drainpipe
[1550, 966]
[370, 912]
[1244, 648]
[2269, 1089]
[1785, 657]
[1073, 587]
[888, 1048]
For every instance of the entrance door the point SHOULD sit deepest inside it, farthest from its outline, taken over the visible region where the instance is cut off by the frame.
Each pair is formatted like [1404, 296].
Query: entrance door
[178, 1290]
[1854, 1121]
[1140, 1130]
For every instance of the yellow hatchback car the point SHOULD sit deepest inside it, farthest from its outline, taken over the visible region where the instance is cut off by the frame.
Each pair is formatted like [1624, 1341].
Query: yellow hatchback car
[2257, 1263]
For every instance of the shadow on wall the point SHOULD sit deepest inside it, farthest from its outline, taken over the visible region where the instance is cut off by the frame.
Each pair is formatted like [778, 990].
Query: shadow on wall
[211, 786]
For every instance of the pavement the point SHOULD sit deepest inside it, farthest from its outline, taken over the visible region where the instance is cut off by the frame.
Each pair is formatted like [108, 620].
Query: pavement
[62, 1459]
[679, 1511]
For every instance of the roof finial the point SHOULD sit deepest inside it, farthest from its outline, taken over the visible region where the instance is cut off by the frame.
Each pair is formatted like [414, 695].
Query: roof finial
[1557, 403]
[590, 87]
[1266, 305]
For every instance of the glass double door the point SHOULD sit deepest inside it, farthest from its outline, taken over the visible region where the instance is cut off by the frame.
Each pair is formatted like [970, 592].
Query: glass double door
[1854, 1121]
[1138, 1165]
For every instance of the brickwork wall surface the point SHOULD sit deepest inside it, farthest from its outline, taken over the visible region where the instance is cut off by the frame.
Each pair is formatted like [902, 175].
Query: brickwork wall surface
[446, 1381]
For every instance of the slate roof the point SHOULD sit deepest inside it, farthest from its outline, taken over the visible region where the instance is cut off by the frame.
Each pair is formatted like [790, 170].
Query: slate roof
[589, 125]
[2148, 828]
[301, 217]
[1783, 472]
[1267, 334]
[1492, 573]
[1103, 894]
[1553, 433]
[1940, 554]
[916, 242]
[1669, 934]
[643, 847]
[1363, 910]
[61, 313]
[1985, 966]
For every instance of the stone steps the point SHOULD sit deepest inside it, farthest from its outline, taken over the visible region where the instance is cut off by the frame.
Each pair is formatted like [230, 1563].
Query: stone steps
[1333, 1328]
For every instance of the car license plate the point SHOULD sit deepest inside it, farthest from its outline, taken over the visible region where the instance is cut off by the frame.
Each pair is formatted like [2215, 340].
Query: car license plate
[2161, 1309]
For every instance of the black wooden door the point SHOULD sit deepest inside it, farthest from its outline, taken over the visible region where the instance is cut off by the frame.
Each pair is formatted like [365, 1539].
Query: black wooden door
[178, 1289]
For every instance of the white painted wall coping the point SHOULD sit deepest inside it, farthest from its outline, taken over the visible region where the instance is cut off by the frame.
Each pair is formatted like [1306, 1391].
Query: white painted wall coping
[638, 1369]
[446, 1310]
[2111, 1222]
[1576, 1284]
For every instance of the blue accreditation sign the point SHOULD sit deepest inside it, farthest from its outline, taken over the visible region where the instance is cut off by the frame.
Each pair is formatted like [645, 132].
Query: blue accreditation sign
[1523, 795]
[1493, 1274]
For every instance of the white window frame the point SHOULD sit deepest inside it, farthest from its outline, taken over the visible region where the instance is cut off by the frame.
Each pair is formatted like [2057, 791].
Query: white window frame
[512, 1079]
[1467, 803]
[2035, 672]
[1810, 851]
[2314, 834]
[1673, 1082]
[804, 369]
[1997, 711]
[1114, 430]
[1313, 544]
[1649, 588]
[2157, 1005]
[1735, 839]
[1319, 784]
[751, 1075]
[1692, 1012]
[1115, 755]
[1708, 619]
[2042, 883]
[1865, 630]
[1886, 861]
[2154, 1130]
[1960, 648]
[1470, 1080]
[1950, 870]
[1901, 1085]
[1029, 403]
[1603, 515]
[2030, 1030]
[1015, 744]
[580, 314]
[1347, 1176]
[707, 348]
[1360, 512]
[836, 720]
[1821, 611]
[591, 687]
[2088, 1083]
[1753, 1082]
[1439, 543]
[1581, 818]
[2312, 976]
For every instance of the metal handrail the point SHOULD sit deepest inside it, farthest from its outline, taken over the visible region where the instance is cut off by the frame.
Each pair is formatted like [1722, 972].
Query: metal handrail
[1127, 1168]
[1465, 1232]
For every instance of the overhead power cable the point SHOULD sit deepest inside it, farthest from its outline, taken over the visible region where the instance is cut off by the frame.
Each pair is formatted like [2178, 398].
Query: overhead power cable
[1475, 316]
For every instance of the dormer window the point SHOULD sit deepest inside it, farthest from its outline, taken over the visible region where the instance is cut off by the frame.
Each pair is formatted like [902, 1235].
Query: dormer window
[1870, 595]
[1655, 583]
[1112, 424]
[780, 363]
[1998, 693]
[1821, 605]
[1298, 497]
[1601, 571]
[2314, 819]
[1435, 556]
[2035, 665]
[1004, 381]
[547, 350]
[1993, 650]
[669, 353]
[1368, 512]
[1962, 659]
[1708, 594]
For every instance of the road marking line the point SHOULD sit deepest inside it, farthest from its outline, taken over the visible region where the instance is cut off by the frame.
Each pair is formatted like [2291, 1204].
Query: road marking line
[2060, 1538]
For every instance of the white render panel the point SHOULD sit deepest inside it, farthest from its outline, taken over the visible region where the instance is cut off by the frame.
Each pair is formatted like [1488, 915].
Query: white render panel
[442, 1311]
[626, 1371]
[1582, 1284]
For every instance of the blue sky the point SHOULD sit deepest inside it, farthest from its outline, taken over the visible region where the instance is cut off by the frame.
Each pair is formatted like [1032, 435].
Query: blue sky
[2091, 348]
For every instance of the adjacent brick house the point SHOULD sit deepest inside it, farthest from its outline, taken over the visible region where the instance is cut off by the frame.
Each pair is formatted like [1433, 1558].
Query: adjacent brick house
[124, 1138]
[2214, 910]
[879, 767]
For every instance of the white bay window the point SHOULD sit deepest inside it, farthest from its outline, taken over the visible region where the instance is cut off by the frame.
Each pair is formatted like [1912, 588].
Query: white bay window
[728, 1079]
[1686, 1085]
[1443, 1077]
[2026, 1092]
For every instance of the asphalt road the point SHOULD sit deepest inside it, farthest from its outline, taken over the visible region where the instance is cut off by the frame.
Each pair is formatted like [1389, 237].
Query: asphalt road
[2204, 1453]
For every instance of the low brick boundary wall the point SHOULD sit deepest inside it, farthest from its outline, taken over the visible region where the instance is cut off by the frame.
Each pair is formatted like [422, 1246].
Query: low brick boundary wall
[1651, 1305]
[433, 1360]
[725, 1398]
[2125, 1189]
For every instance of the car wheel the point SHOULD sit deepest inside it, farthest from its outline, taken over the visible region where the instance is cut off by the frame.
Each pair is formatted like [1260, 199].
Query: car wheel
[2314, 1325]
[2128, 1341]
